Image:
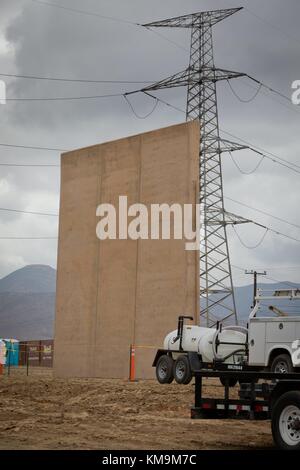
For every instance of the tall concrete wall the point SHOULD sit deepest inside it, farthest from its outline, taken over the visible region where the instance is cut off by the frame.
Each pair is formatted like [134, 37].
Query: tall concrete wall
[114, 293]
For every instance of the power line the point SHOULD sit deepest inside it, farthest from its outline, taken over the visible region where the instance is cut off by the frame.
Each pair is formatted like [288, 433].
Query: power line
[267, 277]
[121, 20]
[269, 88]
[167, 39]
[164, 102]
[246, 172]
[263, 156]
[29, 165]
[276, 232]
[283, 267]
[282, 161]
[67, 98]
[138, 115]
[28, 238]
[263, 212]
[28, 212]
[72, 80]
[31, 147]
[272, 25]
[254, 147]
[85, 12]
[242, 100]
[280, 282]
[111, 18]
[253, 247]
[290, 107]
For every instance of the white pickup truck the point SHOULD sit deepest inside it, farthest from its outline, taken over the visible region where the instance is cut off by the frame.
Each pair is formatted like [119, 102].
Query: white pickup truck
[268, 343]
[273, 342]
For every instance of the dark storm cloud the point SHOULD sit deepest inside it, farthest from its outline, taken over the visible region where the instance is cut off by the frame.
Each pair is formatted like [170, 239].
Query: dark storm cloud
[51, 42]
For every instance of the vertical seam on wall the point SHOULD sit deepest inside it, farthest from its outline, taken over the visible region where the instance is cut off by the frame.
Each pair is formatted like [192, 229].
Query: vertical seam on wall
[138, 241]
[58, 257]
[98, 201]
[188, 176]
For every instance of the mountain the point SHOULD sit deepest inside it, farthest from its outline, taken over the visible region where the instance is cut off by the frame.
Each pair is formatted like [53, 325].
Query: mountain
[27, 303]
[35, 278]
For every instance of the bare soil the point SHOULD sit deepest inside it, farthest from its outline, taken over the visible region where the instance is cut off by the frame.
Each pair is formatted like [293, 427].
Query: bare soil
[42, 412]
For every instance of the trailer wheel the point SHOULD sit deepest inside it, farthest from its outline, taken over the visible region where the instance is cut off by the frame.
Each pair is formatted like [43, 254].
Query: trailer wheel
[164, 369]
[282, 364]
[286, 421]
[182, 370]
[231, 382]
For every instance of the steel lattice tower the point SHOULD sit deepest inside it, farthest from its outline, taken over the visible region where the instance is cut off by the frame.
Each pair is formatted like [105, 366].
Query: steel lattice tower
[216, 286]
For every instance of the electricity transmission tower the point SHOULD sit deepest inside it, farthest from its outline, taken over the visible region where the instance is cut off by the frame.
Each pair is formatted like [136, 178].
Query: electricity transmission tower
[216, 287]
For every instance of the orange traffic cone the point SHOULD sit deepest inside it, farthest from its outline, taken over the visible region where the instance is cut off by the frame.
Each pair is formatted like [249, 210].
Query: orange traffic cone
[132, 363]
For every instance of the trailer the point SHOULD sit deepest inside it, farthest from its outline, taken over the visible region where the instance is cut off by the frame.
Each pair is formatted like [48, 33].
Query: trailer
[267, 343]
[277, 399]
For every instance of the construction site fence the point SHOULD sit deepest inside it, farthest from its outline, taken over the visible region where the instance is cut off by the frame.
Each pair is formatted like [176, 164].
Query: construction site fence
[39, 354]
[28, 354]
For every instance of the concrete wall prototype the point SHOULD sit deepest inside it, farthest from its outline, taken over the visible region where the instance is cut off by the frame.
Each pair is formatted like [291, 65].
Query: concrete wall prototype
[114, 293]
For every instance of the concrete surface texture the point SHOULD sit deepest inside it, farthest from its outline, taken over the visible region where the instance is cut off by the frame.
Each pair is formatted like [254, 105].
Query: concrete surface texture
[114, 293]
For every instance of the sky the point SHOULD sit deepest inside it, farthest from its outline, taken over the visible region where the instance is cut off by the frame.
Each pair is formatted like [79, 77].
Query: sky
[262, 40]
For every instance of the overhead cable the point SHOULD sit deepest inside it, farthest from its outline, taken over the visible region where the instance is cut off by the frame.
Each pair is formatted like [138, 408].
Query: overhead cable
[138, 115]
[72, 80]
[246, 172]
[262, 212]
[253, 247]
[28, 212]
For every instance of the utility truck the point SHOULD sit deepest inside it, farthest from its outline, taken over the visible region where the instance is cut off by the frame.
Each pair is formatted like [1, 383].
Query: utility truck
[268, 343]
[263, 357]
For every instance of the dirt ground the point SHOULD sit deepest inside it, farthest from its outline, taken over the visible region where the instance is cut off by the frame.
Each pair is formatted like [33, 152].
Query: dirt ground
[42, 412]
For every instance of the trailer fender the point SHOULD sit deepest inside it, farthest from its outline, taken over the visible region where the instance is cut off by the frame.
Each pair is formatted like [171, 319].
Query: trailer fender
[282, 387]
[159, 353]
[194, 360]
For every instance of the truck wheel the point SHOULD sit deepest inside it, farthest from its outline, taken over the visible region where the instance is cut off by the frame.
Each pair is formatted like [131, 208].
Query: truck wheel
[231, 382]
[182, 370]
[286, 421]
[164, 369]
[282, 364]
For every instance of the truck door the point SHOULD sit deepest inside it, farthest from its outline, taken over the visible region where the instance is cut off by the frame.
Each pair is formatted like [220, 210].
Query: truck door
[257, 342]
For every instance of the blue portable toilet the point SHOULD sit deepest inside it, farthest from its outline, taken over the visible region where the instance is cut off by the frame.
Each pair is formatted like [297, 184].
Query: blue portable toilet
[12, 357]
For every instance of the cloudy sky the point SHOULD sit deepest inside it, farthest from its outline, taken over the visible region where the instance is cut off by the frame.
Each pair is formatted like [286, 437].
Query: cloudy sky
[263, 40]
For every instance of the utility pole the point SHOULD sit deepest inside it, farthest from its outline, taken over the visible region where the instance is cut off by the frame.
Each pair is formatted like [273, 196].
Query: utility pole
[217, 302]
[255, 275]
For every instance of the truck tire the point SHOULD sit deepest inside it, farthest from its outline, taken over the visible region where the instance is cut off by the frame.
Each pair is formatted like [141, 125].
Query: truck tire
[231, 382]
[286, 421]
[164, 369]
[282, 364]
[182, 370]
